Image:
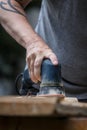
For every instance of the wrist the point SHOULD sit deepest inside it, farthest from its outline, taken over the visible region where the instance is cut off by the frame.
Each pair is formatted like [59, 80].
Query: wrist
[31, 40]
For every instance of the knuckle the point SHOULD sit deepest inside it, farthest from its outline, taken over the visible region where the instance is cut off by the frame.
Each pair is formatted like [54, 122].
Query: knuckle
[30, 56]
[38, 61]
[37, 64]
[51, 54]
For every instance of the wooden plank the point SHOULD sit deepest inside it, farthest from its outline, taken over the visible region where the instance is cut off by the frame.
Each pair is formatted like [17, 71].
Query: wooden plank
[69, 107]
[41, 106]
[27, 106]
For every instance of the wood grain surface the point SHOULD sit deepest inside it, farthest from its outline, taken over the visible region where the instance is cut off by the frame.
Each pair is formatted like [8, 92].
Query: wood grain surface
[42, 113]
[41, 106]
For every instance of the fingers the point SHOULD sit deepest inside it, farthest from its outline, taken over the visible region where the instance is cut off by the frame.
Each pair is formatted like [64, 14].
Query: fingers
[34, 59]
[52, 57]
[34, 66]
[31, 69]
[37, 67]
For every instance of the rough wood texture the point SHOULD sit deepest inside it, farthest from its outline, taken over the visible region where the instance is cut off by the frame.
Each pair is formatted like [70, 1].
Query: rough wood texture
[41, 106]
[27, 106]
[16, 113]
[71, 107]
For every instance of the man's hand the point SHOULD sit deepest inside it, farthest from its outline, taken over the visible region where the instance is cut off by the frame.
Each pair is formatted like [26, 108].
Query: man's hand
[36, 52]
[14, 21]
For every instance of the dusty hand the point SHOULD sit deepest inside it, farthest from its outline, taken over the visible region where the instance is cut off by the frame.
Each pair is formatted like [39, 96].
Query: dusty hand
[36, 52]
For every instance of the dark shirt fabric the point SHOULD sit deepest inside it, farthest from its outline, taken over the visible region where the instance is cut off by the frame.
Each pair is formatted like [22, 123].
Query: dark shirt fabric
[63, 26]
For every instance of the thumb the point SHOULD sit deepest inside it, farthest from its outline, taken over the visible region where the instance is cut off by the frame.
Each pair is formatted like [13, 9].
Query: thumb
[53, 58]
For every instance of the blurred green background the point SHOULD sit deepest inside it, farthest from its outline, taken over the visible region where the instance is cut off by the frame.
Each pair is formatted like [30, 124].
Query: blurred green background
[12, 55]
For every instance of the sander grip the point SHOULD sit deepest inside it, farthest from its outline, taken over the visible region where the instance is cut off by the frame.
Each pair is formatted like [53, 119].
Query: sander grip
[51, 81]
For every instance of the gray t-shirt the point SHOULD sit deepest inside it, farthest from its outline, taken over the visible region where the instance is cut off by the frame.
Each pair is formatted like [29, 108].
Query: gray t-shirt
[63, 26]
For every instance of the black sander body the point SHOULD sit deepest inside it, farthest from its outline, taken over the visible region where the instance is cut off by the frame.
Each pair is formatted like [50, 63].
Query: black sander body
[50, 84]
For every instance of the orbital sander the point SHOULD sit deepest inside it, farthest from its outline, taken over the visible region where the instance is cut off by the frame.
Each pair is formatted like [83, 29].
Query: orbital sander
[50, 85]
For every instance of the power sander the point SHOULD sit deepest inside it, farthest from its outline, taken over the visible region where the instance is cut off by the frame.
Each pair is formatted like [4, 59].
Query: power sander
[50, 85]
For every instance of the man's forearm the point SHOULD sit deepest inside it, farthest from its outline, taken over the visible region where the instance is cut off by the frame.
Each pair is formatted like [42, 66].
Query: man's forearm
[13, 19]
